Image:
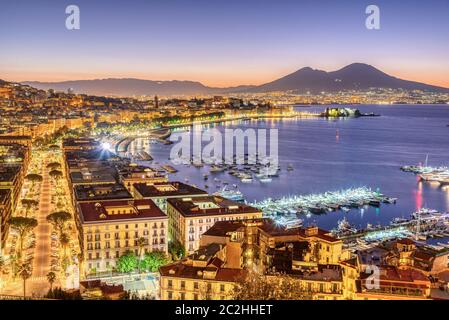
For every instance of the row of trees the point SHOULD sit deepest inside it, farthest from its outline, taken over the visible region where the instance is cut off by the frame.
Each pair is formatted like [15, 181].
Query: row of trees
[150, 261]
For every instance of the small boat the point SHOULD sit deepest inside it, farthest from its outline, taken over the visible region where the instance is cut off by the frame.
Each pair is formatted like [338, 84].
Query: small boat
[216, 168]
[265, 179]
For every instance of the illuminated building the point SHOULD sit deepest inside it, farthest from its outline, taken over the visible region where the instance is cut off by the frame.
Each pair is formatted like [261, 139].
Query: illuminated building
[205, 274]
[131, 175]
[107, 229]
[191, 217]
[161, 191]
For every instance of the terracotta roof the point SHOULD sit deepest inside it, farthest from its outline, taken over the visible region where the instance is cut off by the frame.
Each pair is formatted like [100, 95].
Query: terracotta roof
[224, 206]
[182, 270]
[96, 211]
[222, 228]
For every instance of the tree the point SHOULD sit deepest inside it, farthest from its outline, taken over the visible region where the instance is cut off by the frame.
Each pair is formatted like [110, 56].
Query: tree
[51, 278]
[29, 204]
[54, 165]
[2, 264]
[24, 272]
[176, 249]
[33, 178]
[59, 219]
[54, 147]
[23, 225]
[127, 262]
[141, 242]
[64, 240]
[55, 174]
[153, 260]
[59, 294]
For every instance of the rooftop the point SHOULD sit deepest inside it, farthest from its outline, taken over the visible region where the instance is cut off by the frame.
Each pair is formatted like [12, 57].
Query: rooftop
[92, 192]
[92, 177]
[107, 211]
[80, 143]
[210, 205]
[181, 269]
[167, 189]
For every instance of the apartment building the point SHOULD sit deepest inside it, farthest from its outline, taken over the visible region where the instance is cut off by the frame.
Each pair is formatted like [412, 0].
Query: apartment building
[161, 191]
[109, 228]
[190, 217]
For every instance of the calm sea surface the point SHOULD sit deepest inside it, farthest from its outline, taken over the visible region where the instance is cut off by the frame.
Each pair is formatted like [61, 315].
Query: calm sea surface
[366, 152]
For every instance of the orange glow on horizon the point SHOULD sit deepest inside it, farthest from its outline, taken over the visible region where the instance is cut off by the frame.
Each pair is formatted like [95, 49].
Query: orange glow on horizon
[220, 78]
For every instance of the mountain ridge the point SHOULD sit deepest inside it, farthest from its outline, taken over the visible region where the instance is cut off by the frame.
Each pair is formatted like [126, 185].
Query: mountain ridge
[355, 76]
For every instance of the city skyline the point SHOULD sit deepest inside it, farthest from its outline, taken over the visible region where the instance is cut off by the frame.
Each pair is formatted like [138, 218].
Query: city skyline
[209, 42]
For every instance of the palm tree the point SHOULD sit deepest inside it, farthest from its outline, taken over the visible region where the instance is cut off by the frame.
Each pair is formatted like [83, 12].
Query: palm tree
[141, 242]
[25, 273]
[51, 278]
[64, 240]
[2, 264]
[58, 220]
[23, 225]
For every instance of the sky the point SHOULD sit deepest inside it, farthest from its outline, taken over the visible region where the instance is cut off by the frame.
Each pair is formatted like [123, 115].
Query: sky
[220, 43]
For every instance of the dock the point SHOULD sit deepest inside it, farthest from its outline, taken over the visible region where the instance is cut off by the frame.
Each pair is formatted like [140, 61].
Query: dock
[169, 168]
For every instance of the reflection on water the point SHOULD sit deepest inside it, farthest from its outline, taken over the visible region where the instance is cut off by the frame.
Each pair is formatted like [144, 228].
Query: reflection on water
[330, 155]
[418, 195]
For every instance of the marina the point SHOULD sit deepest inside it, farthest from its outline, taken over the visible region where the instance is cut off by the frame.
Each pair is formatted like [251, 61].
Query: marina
[421, 226]
[322, 203]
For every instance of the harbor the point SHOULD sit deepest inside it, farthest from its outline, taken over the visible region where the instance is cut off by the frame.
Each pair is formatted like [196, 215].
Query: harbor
[314, 161]
[422, 225]
[344, 200]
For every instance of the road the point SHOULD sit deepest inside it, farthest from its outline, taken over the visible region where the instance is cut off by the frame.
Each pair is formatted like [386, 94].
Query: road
[42, 261]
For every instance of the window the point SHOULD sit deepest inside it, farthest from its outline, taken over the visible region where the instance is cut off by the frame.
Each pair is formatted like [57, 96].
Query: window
[170, 283]
[183, 285]
[222, 287]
